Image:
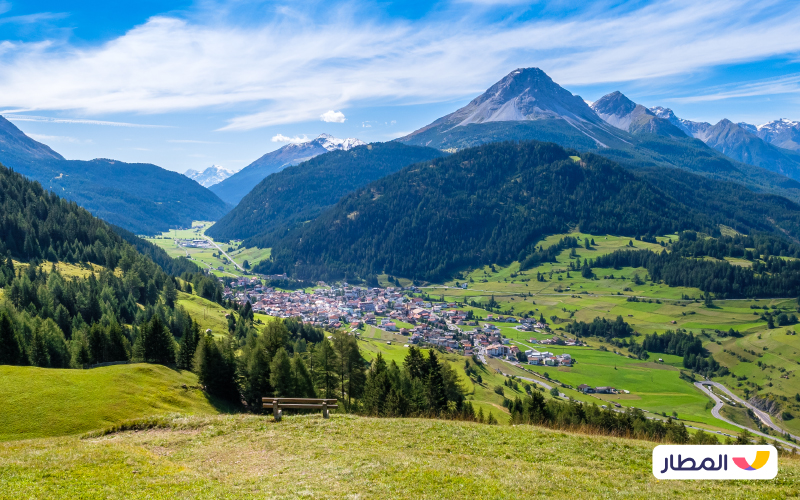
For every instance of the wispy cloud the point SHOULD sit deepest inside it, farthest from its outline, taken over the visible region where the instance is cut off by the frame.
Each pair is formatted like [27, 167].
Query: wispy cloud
[789, 84]
[293, 140]
[57, 138]
[296, 66]
[29, 118]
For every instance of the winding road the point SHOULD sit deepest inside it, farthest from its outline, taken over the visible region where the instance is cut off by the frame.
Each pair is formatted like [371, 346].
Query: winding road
[763, 416]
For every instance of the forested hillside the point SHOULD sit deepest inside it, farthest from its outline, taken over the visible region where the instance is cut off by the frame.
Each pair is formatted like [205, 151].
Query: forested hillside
[140, 197]
[300, 193]
[492, 204]
[125, 310]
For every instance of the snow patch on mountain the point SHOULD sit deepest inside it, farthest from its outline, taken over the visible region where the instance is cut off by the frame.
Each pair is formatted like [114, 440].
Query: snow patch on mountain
[210, 176]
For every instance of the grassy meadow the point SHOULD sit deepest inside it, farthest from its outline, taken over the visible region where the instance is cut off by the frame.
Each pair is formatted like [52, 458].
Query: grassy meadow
[566, 296]
[247, 456]
[204, 257]
[44, 402]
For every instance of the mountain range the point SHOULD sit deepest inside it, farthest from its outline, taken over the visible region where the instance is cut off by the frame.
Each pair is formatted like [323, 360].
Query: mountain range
[234, 188]
[140, 197]
[527, 105]
[210, 176]
[740, 142]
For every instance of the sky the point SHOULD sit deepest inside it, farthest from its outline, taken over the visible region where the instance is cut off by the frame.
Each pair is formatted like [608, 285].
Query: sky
[187, 84]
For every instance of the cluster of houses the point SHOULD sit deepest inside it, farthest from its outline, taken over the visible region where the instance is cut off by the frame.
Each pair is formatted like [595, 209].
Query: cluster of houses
[395, 310]
[195, 243]
[587, 389]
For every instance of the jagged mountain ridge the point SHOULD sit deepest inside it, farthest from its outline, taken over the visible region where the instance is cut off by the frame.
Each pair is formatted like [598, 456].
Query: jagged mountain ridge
[527, 105]
[235, 187]
[743, 142]
[626, 115]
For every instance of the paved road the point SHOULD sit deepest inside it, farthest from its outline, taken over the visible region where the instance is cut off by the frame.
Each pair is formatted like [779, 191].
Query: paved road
[224, 253]
[760, 414]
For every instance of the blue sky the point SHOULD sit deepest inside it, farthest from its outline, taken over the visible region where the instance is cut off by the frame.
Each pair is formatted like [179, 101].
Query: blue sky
[187, 84]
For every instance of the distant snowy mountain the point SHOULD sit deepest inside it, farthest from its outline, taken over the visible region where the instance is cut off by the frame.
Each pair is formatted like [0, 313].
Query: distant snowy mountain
[783, 133]
[210, 176]
[234, 188]
[693, 129]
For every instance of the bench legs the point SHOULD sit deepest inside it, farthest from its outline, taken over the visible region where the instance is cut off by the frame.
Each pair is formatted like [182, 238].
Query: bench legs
[276, 412]
[325, 409]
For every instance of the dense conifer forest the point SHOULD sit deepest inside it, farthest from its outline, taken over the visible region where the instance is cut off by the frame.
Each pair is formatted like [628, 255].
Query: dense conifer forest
[300, 193]
[125, 310]
[494, 203]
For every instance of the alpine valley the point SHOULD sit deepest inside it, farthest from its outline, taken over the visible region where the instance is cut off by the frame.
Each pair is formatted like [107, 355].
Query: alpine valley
[604, 277]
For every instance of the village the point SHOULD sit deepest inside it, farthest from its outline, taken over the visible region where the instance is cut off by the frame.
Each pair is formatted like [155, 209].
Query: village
[446, 325]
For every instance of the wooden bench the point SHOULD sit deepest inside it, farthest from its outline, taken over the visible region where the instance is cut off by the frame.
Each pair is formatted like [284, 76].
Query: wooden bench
[278, 404]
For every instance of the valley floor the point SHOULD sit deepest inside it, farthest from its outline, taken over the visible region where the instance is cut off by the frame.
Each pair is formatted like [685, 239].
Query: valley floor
[247, 456]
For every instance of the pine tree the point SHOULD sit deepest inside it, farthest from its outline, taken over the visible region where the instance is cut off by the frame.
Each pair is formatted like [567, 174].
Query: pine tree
[11, 351]
[189, 341]
[281, 377]
[437, 397]
[159, 346]
[215, 365]
[169, 293]
[325, 364]
[304, 385]
[38, 351]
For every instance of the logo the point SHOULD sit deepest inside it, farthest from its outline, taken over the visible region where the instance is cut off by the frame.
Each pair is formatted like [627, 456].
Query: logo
[715, 462]
[762, 457]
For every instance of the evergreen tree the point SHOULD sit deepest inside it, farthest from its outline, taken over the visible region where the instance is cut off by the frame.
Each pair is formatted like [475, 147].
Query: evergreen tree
[11, 351]
[38, 351]
[169, 293]
[215, 365]
[157, 342]
[304, 384]
[189, 341]
[325, 375]
[437, 397]
[256, 371]
[281, 376]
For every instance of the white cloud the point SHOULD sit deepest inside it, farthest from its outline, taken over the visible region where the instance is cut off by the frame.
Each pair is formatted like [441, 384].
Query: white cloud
[332, 116]
[55, 138]
[28, 118]
[293, 140]
[295, 67]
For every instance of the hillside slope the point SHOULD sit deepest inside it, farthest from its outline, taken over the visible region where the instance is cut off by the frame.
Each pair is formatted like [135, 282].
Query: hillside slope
[140, 197]
[62, 402]
[492, 204]
[344, 456]
[300, 193]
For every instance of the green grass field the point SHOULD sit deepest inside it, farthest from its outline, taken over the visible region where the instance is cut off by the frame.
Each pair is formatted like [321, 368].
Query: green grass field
[568, 296]
[208, 314]
[250, 456]
[204, 257]
[43, 402]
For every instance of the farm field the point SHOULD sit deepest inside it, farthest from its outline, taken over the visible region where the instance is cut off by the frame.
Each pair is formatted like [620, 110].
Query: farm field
[204, 257]
[45, 402]
[243, 456]
[648, 307]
